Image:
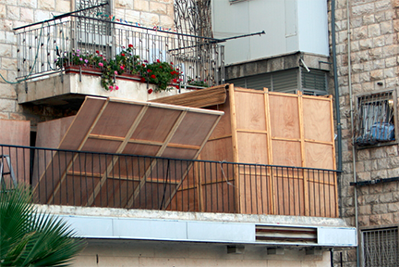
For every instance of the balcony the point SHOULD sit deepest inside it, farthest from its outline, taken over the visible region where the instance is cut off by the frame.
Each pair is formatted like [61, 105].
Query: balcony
[91, 179]
[200, 60]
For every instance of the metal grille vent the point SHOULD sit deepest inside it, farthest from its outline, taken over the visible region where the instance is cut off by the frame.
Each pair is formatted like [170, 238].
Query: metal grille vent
[280, 234]
[380, 247]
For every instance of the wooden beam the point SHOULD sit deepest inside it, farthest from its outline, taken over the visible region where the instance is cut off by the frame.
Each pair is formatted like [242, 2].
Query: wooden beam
[269, 148]
[233, 118]
[303, 154]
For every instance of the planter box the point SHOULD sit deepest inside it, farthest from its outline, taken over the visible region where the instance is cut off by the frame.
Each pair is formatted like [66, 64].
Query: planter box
[77, 83]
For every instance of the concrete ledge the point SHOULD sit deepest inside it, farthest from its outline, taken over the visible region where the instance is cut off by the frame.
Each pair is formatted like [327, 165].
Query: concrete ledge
[195, 226]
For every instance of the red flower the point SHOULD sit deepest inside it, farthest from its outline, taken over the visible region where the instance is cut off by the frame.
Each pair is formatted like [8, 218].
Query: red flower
[149, 71]
[98, 52]
[149, 91]
[143, 65]
[158, 61]
[171, 63]
[153, 76]
[130, 46]
[177, 87]
[174, 80]
[142, 79]
[160, 67]
[123, 54]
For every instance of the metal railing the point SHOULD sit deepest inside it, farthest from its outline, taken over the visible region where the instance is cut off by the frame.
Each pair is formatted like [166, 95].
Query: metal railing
[199, 59]
[91, 179]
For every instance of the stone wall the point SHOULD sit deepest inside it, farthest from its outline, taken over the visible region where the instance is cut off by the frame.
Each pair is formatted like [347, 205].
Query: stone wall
[374, 57]
[19, 13]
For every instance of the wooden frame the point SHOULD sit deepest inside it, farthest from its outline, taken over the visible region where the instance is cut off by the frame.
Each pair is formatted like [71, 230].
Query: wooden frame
[124, 127]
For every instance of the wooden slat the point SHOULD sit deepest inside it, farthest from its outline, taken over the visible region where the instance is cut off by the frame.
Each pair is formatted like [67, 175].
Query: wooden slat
[302, 136]
[202, 98]
[220, 137]
[269, 149]
[233, 117]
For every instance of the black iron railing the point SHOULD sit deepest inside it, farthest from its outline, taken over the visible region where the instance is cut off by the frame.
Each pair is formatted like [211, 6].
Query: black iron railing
[88, 179]
[41, 46]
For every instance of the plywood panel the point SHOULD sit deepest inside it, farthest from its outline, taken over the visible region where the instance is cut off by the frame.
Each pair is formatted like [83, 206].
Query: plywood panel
[252, 147]
[16, 133]
[156, 124]
[250, 111]
[116, 119]
[319, 156]
[317, 119]
[286, 153]
[195, 129]
[224, 126]
[284, 117]
[218, 150]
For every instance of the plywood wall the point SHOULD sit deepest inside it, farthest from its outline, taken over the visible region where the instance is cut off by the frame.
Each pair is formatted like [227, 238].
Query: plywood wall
[15, 132]
[263, 127]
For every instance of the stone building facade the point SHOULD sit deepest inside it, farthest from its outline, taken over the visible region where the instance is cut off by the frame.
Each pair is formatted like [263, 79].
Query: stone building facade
[15, 14]
[367, 60]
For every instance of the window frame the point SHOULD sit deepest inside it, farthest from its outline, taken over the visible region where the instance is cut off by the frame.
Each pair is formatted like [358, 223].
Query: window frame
[395, 117]
[375, 228]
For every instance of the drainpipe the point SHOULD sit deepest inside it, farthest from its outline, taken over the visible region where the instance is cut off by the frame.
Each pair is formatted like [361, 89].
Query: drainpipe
[352, 129]
[336, 91]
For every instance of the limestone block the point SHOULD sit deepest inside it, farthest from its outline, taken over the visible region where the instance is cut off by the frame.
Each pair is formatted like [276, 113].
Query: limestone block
[382, 5]
[124, 4]
[365, 210]
[4, 115]
[63, 6]
[365, 9]
[364, 220]
[46, 4]
[368, 19]
[7, 91]
[141, 5]
[371, 199]
[366, 43]
[132, 15]
[382, 163]
[379, 41]
[28, 3]
[378, 153]
[5, 50]
[13, 12]
[380, 174]
[167, 21]
[386, 197]
[158, 8]
[6, 25]
[149, 18]
[387, 218]
[375, 220]
[9, 63]
[393, 207]
[360, 33]
[7, 105]
[2, 11]
[374, 30]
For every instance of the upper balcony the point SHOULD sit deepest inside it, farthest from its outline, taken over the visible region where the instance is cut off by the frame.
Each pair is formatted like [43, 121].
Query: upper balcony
[58, 60]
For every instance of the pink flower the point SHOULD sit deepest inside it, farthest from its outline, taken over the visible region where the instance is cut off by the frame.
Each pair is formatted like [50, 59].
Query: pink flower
[104, 59]
[122, 67]
[110, 87]
[101, 64]
[116, 87]
[150, 91]
[116, 73]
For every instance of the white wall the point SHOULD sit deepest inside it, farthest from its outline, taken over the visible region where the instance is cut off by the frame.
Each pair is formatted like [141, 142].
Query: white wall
[290, 26]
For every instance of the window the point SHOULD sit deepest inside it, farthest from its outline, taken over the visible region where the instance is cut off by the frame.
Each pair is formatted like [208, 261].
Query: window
[380, 247]
[375, 118]
[287, 81]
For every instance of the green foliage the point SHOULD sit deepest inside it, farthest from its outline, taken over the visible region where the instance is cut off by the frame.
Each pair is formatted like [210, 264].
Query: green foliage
[28, 238]
[160, 73]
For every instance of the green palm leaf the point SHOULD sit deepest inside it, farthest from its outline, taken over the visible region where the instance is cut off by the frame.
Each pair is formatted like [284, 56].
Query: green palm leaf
[31, 239]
